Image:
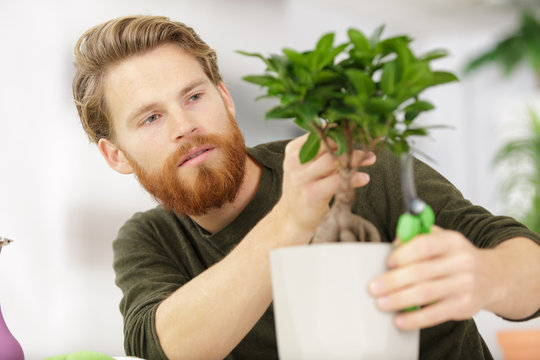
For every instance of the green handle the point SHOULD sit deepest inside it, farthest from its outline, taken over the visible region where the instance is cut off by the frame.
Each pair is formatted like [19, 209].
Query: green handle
[410, 225]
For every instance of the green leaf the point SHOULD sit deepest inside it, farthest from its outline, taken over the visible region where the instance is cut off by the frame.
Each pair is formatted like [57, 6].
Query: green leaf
[263, 80]
[296, 57]
[414, 131]
[419, 105]
[414, 109]
[376, 37]
[329, 57]
[396, 44]
[288, 99]
[325, 76]
[340, 139]
[303, 76]
[388, 78]
[362, 83]
[310, 148]
[417, 74]
[355, 101]
[399, 147]
[268, 63]
[359, 41]
[308, 111]
[442, 77]
[381, 106]
[320, 56]
[280, 112]
[434, 54]
[325, 43]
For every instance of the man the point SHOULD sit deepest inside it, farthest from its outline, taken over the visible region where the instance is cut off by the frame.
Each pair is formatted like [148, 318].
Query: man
[195, 270]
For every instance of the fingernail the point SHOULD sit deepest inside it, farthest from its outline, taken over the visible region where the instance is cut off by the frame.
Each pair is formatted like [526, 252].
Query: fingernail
[376, 286]
[383, 302]
[365, 177]
[400, 321]
[391, 263]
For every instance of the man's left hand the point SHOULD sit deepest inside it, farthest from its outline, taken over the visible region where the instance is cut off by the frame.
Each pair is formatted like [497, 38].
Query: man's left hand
[443, 273]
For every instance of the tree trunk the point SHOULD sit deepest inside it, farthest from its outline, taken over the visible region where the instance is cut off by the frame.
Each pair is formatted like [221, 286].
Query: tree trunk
[340, 224]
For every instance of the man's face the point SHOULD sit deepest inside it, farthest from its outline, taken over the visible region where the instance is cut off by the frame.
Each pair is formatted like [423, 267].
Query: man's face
[176, 130]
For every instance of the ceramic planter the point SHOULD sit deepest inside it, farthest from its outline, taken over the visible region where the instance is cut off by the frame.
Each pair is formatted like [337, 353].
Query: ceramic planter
[322, 307]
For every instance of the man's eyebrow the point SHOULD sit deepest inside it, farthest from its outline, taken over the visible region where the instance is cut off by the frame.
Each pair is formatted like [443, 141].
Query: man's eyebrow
[147, 107]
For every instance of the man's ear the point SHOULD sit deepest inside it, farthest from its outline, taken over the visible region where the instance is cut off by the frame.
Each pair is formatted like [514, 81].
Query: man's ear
[227, 98]
[114, 156]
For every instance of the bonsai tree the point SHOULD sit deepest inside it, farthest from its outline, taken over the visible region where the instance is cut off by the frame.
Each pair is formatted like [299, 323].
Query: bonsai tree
[363, 93]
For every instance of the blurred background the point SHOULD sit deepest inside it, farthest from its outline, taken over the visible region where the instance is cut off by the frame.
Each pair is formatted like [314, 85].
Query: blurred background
[63, 205]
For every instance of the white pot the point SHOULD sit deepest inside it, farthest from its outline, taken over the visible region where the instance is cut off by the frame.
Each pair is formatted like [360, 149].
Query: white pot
[322, 307]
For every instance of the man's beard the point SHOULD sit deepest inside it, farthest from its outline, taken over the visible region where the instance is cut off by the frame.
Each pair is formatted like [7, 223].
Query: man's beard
[211, 188]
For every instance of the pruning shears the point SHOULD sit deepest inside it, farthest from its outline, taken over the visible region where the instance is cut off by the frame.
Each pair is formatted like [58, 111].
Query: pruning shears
[418, 217]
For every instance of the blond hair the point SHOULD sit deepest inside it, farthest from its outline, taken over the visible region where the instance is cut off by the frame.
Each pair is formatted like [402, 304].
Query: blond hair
[113, 41]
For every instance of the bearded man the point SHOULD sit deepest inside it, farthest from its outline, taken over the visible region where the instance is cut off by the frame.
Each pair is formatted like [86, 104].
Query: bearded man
[194, 271]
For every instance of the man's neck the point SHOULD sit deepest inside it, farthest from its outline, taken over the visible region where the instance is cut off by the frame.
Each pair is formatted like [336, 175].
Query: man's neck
[217, 219]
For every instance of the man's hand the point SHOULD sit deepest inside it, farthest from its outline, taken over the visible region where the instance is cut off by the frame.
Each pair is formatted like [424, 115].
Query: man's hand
[308, 188]
[443, 273]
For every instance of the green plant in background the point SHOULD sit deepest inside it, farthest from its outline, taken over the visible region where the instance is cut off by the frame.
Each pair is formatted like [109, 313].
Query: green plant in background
[521, 161]
[361, 93]
[522, 44]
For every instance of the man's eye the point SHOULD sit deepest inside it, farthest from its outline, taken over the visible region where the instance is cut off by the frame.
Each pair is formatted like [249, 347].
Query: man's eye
[195, 97]
[151, 119]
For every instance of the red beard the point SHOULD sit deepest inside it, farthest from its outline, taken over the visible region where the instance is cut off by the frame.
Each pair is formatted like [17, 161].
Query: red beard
[212, 187]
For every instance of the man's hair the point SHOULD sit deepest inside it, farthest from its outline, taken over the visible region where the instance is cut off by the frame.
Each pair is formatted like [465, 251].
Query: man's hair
[109, 43]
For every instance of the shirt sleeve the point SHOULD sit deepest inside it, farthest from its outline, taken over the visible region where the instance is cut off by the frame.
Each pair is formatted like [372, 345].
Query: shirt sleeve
[146, 275]
[453, 211]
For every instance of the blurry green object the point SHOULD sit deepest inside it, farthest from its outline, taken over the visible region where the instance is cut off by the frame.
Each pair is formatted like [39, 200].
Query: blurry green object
[521, 159]
[521, 156]
[523, 44]
[82, 355]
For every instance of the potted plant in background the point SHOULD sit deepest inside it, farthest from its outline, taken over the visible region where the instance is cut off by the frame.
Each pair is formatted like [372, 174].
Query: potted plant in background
[362, 93]
[519, 158]
[521, 45]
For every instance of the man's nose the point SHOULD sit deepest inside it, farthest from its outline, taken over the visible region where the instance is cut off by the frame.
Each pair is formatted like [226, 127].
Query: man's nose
[181, 125]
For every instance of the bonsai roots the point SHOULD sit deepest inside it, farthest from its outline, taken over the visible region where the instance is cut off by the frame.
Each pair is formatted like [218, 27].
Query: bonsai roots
[341, 225]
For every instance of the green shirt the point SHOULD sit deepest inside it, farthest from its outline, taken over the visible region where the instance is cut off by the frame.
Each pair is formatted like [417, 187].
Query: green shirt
[157, 252]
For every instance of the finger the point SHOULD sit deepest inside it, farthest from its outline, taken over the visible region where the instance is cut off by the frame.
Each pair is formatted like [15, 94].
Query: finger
[322, 189]
[426, 246]
[409, 275]
[359, 179]
[425, 293]
[437, 313]
[363, 158]
[319, 168]
[295, 145]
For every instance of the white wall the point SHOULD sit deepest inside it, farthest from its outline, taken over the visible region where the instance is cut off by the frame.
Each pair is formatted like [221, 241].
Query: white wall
[63, 205]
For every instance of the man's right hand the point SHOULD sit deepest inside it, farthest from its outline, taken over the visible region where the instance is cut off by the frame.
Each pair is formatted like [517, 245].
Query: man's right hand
[308, 188]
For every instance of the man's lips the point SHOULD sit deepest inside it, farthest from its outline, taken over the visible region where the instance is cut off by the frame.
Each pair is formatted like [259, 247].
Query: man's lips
[194, 153]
